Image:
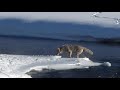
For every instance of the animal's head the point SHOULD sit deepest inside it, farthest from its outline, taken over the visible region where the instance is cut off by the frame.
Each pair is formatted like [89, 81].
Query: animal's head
[59, 50]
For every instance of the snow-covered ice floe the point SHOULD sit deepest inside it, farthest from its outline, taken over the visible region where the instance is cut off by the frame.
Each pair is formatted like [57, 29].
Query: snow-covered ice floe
[16, 66]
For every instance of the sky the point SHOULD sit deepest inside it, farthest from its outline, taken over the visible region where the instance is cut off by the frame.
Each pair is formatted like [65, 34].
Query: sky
[73, 17]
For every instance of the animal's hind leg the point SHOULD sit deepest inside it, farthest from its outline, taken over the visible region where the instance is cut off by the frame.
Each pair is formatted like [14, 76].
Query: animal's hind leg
[80, 52]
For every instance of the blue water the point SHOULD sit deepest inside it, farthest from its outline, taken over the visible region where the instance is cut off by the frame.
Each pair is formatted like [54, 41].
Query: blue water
[42, 38]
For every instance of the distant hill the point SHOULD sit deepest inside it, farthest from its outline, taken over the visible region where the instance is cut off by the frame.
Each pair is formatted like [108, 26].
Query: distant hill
[56, 30]
[109, 41]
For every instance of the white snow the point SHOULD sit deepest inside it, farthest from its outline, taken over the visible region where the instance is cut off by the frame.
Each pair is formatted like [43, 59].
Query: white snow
[74, 17]
[16, 66]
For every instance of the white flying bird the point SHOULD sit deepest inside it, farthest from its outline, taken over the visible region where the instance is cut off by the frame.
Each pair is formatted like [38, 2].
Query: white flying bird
[95, 14]
[117, 20]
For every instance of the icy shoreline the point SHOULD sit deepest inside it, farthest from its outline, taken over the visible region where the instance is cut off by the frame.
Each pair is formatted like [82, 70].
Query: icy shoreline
[16, 66]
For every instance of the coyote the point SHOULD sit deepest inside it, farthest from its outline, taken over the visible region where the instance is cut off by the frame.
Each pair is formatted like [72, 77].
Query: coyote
[73, 49]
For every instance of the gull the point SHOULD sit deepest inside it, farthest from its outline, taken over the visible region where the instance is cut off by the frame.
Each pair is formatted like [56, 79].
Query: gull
[95, 14]
[117, 20]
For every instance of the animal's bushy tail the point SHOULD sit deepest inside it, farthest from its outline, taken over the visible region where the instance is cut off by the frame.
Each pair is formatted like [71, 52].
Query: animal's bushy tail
[88, 51]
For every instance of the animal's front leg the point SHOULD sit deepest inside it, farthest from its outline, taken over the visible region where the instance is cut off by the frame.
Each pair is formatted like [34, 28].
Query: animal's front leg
[70, 54]
[58, 54]
[78, 55]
